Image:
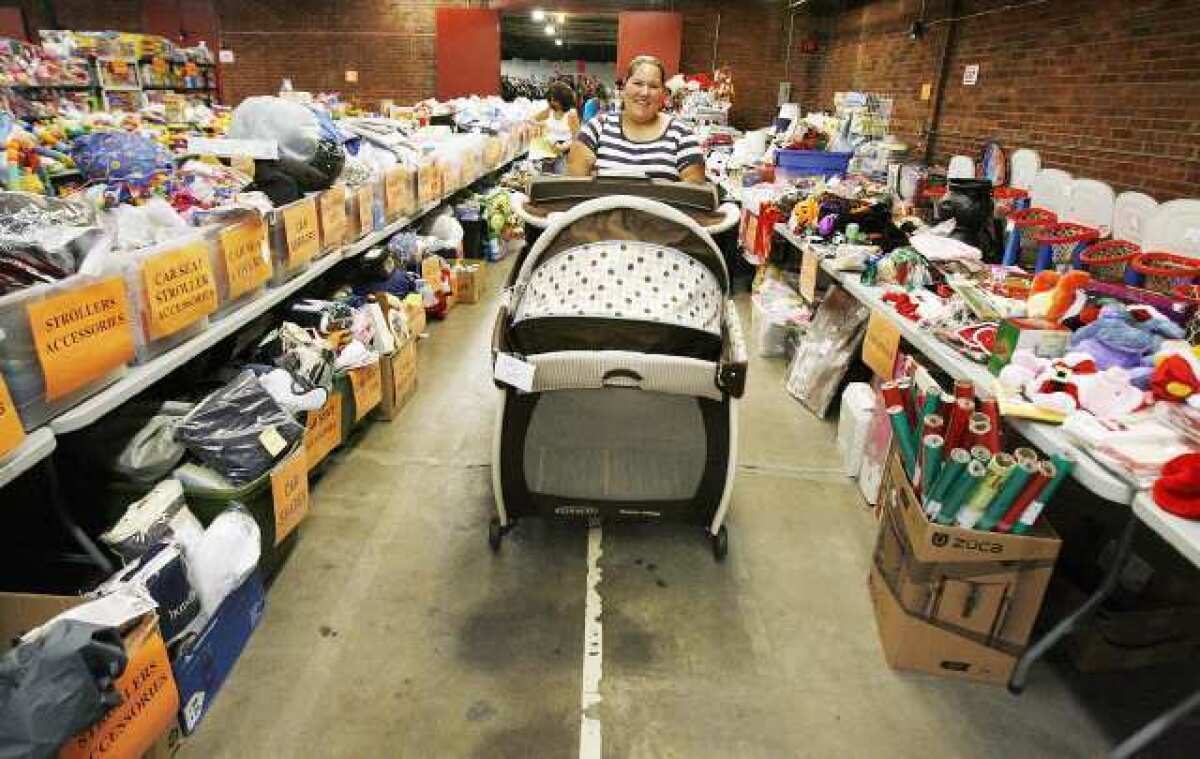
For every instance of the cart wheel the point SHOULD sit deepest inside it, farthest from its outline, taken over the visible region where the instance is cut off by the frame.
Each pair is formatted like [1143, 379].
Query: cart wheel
[720, 544]
[495, 534]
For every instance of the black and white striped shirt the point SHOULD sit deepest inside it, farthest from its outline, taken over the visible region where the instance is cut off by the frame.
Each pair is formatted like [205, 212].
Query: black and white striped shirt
[661, 158]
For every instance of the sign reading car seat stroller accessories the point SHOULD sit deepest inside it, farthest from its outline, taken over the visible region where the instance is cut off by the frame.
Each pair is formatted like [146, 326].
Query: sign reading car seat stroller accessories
[180, 289]
[513, 371]
[289, 493]
[11, 431]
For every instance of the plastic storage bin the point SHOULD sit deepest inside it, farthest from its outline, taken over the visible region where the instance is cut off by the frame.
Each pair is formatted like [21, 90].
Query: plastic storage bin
[61, 343]
[294, 237]
[360, 211]
[429, 181]
[400, 192]
[810, 163]
[331, 209]
[173, 290]
[241, 260]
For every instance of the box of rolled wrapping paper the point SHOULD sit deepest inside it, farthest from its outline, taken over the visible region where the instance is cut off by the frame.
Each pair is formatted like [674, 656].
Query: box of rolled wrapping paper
[961, 560]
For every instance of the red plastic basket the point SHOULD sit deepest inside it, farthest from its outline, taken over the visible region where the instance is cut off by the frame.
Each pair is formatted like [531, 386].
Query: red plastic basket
[1163, 272]
[1064, 238]
[1006, 197]
[1190, 293]
[1032, 218]
[1108, 259]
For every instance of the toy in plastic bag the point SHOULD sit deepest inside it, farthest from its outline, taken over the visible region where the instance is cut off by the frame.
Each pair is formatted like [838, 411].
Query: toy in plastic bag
[161, 515]
[825, 350]
[239, 430]
[119, 155]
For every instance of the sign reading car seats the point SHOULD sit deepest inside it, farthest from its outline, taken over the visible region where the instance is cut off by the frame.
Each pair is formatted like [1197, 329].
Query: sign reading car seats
[289, 493]
[300, 232]
[323, 430]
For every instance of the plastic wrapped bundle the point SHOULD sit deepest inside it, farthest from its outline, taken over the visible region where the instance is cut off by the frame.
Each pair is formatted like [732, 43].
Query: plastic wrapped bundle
[44, 239]
[239, 430]
[161, 515]
[224, 557]
[825, 351]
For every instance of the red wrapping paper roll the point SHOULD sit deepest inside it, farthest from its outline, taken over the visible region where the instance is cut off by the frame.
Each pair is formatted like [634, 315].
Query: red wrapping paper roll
[934, 425]
[891, 394]
[1045, 472]
[956, 427]
[905, 386]
[991, 407]
[964, 389]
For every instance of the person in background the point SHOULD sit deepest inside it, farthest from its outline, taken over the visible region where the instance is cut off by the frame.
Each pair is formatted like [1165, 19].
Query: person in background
[561, 122]
[596, 104]
[639, 138]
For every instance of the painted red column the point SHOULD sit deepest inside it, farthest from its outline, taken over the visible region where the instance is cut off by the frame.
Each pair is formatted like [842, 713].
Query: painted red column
[657, 33]
[468, 52]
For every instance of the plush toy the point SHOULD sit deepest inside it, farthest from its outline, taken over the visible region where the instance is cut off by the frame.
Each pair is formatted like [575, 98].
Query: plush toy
[1176, 373]
[1124, 336]
[1056, 387]
[1054, 296]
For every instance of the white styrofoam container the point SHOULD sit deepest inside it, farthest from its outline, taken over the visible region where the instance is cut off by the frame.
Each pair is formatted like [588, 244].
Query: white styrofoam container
[854, 422]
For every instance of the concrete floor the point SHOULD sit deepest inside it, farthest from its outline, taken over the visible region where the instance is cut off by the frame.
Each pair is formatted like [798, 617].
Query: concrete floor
[392, 630]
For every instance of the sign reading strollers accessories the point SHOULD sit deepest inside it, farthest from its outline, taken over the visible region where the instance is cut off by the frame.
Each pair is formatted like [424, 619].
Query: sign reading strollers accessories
[11, 432]
[289, 493]
[179, 289]
[81, 335]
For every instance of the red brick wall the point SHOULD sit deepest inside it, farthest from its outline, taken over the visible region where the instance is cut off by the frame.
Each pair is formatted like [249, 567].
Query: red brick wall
[1107, 89]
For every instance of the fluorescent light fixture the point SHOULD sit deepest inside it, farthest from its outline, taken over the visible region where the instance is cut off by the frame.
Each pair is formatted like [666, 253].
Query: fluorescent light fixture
[561, 18]
[558, 42]
[550, 30]
[538, 14]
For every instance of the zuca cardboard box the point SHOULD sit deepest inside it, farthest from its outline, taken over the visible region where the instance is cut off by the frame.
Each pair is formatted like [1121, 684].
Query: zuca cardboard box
[952, 601]
[399, 379]
[201, 667]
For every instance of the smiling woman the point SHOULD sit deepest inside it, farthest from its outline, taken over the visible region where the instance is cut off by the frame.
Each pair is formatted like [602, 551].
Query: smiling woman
[640, 138]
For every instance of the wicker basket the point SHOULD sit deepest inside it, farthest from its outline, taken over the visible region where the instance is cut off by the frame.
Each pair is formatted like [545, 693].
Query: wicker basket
[1063, 242]
[1163, 272]
[1027, 223]
[1108, 260]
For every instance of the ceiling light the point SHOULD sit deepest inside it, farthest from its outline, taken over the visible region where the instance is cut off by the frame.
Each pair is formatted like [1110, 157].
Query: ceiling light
[550, 30]
[558, 42]
[561, 17]
[538, 14]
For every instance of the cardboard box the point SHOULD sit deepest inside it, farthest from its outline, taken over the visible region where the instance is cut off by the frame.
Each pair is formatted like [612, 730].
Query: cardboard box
[1045, 339]
[399, 379]
[951, 601]
[202, 665]
[471, 279]
[415, 317]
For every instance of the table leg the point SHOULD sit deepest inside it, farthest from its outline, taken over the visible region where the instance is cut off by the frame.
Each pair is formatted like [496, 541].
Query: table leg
[1016, 683]
[1151, 732]
[64, 516]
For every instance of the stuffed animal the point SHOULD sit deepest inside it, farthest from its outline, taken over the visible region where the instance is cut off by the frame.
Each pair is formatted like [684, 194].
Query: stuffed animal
[1056, 387]
[1176, 374]
[1124, 336]
[1054, 296]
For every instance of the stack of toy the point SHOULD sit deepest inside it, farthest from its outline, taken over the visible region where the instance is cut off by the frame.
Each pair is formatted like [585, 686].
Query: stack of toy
[953, 453]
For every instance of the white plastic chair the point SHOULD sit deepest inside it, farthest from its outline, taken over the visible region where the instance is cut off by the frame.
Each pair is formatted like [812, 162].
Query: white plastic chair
[1051, 191]
[1174, 228]
[1023, 168]
[1131, 212]
[1091, 204]
[961, 167]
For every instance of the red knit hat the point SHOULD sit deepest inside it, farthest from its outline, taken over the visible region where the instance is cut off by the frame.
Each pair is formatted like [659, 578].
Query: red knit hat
[1177, 489]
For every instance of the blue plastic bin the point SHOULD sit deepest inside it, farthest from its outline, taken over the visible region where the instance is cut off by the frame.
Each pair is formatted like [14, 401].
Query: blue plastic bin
[810, 163]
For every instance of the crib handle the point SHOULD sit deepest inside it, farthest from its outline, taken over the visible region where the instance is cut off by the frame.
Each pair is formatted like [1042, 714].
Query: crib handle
[621, 378]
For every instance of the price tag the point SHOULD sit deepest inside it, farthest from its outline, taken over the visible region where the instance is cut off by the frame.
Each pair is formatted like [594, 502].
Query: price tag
[12, 434]
[366, 209]
[393, 190]
[881, 345]
[289, 494]
[247, 259]
[513, 371]
[367, 384]
[81, 335]
[179, 289]
[323, 430]
[333, 216]
[810, 265]
[300, 232]
[272, 441]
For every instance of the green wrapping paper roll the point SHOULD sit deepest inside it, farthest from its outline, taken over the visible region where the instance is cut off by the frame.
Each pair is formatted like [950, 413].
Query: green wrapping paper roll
[952, 470]
[981, 454]
[1063, 467]
[961, 491]
[1025, 456]
[928, 409]
[1017, 477]
[904, 438]
[931, 460]
[997, 472]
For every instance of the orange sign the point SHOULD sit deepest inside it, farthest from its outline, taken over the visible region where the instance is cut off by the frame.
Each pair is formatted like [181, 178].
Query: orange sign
[149, 702]
[323, 430]
[190, 69]
[333, 216]
[11, 432]
[179, 289]
[881, 345]
[289, 493]
[367, 384]
[300, 232]
[393, 190]
[247, 260]
[366, 209]
[81, 335]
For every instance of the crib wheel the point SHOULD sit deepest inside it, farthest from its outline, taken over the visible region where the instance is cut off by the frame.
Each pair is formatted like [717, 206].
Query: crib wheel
[495, 534]
[720, 544]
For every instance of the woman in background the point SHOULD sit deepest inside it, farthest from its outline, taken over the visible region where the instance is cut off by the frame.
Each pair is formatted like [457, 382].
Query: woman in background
[596, 104]
[561, 122]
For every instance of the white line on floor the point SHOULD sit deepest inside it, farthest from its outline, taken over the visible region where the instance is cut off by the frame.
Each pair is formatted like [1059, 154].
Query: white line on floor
[593, 652]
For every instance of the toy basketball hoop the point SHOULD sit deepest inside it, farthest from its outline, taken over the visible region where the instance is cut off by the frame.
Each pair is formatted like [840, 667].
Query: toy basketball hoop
[1059, 244]
[1020, 249]
[1008, 199]
[1164, 272]
[1108, 260]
